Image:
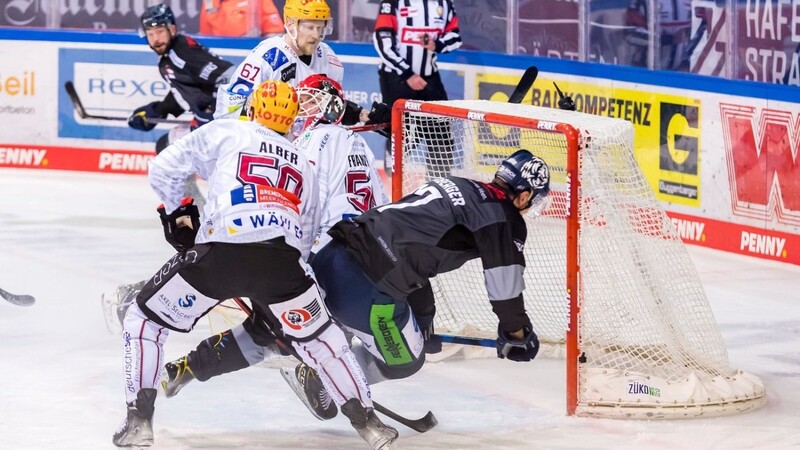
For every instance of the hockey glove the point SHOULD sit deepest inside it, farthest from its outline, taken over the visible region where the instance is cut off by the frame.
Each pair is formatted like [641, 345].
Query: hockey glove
[566, 103]
[524, 349]
[433, 343]
[138, 120]
[381, 113]
[352, 113]
[181, 235]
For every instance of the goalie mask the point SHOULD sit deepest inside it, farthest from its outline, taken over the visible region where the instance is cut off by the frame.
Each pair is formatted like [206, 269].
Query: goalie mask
[523, 171]
[321, 101]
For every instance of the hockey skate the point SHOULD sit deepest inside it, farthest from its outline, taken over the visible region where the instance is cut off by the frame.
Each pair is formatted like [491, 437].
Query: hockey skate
[175, 376]
[137, 429]
[377, 434]
[306, 384]
[116, 304]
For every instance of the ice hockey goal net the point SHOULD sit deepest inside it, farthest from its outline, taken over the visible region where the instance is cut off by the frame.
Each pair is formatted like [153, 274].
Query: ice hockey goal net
[607, 276]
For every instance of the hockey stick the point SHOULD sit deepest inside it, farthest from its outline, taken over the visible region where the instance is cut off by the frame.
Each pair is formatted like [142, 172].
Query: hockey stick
[370, 127]
[420, 425]
[524, 84]
[78, 106]
[19, 300]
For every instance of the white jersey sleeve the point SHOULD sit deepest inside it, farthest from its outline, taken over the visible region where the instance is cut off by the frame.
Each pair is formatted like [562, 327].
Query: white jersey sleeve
[260, 187]
[273, 59]
[348, 181]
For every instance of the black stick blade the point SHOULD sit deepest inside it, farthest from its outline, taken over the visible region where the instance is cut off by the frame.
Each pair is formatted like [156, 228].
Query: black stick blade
[76, 101]
[19, 300]
[524, 85]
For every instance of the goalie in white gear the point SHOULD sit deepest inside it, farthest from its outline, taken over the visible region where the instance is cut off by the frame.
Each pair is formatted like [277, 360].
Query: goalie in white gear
[259, 224]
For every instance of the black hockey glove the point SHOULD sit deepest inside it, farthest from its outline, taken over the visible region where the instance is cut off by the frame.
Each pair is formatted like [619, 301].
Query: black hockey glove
[352, 113]
[138, 120]
[524, 349]
[564, 101]
[381, 113]
[180, 236]
[433, 343]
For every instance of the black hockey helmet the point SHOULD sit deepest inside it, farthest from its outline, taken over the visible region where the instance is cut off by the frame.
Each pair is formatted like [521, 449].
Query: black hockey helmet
[159, 15]
[525, 172]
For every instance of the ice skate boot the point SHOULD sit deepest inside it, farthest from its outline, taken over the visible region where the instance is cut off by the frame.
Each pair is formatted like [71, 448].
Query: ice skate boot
[137, 429]
[116, 304]
[175, 376]
[307, 385]
[377, 434]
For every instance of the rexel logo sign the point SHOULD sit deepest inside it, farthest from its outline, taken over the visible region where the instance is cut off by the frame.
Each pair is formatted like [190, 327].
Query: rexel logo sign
[763, 167]
[109, 83]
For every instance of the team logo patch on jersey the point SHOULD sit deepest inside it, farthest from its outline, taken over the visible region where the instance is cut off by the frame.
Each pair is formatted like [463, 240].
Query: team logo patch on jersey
[275, 58]
[298, 318]
[289, 74]
[187, 301]
[241, 87]
[254, 193]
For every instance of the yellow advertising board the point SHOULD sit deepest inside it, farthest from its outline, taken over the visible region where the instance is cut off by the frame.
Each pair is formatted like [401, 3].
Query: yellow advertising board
[667, 127]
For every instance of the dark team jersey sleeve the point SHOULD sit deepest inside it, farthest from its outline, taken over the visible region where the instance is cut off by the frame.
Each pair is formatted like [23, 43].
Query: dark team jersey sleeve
[501, 246]
[169, 106]
[206, 67]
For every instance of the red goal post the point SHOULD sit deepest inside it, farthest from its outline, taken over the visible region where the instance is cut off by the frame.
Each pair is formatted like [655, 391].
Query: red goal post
[608, 281]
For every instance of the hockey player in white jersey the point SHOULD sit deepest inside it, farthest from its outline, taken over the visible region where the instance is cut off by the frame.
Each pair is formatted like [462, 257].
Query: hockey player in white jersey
[291, 57]
[349, 185]
[258, 226]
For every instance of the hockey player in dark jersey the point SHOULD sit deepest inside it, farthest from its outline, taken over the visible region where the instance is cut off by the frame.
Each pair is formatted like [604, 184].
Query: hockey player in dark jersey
[376, 269]
[192, 71]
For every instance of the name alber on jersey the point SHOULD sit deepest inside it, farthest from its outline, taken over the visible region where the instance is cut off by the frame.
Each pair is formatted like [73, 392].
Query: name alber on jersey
[273, 149]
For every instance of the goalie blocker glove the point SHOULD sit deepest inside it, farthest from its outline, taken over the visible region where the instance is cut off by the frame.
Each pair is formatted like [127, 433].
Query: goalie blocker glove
[524, 349]
[180, 236]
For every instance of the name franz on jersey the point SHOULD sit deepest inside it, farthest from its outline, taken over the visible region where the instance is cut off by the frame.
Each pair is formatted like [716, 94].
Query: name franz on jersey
[358, 161]
[456, 198]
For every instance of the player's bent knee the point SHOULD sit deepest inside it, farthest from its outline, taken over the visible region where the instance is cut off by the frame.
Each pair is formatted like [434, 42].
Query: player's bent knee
[396, 372]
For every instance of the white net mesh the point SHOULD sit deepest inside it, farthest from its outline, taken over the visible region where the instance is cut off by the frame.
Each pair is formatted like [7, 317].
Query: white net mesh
[644, 318]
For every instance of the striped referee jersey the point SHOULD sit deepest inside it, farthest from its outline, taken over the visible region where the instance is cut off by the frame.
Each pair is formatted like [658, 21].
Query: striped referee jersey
[402, 27]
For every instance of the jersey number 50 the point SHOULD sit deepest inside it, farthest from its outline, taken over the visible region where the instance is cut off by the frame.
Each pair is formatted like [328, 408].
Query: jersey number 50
[267, 171]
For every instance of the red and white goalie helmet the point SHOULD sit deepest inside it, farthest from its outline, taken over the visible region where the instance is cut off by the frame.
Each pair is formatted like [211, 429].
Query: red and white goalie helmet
[321, 101]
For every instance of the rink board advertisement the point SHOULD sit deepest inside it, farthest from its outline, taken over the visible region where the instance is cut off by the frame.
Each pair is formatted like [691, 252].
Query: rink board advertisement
[723, 163]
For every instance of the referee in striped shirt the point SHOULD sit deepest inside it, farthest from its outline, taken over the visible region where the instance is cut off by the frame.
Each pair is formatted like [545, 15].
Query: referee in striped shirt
[408, 36]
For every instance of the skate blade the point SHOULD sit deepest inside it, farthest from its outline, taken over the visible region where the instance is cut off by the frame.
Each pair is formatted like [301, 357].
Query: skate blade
[288, 374]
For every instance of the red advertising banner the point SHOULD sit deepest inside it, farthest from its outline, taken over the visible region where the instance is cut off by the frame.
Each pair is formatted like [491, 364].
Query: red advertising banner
[70, 158]
[736, 238]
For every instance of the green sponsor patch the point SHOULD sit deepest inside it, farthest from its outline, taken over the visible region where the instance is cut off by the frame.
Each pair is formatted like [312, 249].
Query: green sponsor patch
[387, 336]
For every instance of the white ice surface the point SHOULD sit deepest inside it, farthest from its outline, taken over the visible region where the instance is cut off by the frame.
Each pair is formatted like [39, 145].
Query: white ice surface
[65, 238]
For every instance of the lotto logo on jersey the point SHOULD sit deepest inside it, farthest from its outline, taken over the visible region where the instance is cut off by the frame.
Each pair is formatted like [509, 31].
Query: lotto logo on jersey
[407, 12]
[299, 318]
